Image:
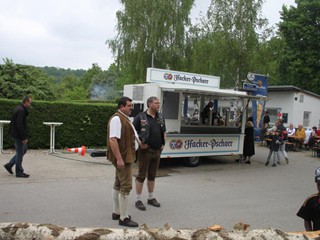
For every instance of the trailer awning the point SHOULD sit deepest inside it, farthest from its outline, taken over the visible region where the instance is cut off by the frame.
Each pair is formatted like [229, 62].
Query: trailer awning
[205, 91]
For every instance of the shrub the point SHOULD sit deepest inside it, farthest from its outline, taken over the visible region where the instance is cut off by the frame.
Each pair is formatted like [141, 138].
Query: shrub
[83, 123]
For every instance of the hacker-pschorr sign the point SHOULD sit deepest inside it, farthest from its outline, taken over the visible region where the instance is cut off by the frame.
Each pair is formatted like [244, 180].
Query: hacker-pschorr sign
[169, 76]
[199, 144]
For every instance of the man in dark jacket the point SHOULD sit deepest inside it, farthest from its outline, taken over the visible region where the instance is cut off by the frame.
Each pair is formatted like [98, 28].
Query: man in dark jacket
[205, 113]
[19, 132]
[150, 126]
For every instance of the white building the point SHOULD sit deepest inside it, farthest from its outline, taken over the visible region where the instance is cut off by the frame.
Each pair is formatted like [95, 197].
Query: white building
[296, 105]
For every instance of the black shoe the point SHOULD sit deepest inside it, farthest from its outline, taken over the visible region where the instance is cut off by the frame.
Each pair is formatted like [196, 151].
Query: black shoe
[140, 206]
[117, 216]
[8, 169]
[128, 223]
[247, 162]
[154, 202]
[267, 163]
[237, 160]
[22, 175]
[274, 165]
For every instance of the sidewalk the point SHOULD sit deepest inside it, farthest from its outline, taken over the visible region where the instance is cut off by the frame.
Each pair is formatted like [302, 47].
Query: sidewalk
[47, 167]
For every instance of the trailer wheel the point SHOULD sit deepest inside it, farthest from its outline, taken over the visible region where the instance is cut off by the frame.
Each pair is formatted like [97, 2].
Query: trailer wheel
[192, 161]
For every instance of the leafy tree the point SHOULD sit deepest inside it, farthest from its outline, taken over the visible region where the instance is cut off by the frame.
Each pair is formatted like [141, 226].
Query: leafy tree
[104, 85]
[71, 84]
[86, 79]
[17, 81]
[150, 28]
[300, 31]
[267, 59]
[59, 73]
[227, 39]
[76, 93]
[69, 88]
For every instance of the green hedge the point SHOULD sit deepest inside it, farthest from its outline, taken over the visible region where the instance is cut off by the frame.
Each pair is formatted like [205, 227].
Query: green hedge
[83, 123]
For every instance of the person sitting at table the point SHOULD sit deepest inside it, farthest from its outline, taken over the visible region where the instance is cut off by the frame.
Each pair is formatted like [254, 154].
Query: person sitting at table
[300, 137]
[291, 133]
[315, 135]
[291, 130]
[308, 132]
[311, 140]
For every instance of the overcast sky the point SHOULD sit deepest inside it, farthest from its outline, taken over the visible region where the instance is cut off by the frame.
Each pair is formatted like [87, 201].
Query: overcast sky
[72, 33]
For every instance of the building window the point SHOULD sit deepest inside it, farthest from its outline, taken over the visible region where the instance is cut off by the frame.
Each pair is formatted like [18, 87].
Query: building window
[301, 98]
[306, 118]
[285, 117]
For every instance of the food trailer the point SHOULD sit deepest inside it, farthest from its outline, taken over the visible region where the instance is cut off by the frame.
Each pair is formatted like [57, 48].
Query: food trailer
[182, 97]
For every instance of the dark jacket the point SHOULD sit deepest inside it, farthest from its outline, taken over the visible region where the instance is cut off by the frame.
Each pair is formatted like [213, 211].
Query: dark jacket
[143, 127]
[266, 119]
[18, 125]
[248, 145]
[205, 111]
[281, 128]
[275, 143]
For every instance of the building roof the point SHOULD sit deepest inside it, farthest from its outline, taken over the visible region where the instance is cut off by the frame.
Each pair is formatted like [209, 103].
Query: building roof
[286, 88]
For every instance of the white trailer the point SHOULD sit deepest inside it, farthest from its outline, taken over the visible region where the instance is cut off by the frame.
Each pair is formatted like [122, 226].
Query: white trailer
[187, 136]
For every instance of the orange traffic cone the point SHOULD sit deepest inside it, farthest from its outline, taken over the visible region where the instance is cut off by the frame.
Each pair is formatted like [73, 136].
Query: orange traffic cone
[80, 150]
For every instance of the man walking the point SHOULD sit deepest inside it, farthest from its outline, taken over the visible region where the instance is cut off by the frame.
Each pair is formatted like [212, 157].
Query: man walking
[151, 128]
[19, 132]
[284, 137]
[122, 145]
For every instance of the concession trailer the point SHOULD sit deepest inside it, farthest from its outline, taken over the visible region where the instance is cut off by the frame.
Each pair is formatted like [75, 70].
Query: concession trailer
[183, 96]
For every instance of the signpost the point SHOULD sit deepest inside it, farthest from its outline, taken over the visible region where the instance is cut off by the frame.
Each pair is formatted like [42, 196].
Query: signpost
[249, 87]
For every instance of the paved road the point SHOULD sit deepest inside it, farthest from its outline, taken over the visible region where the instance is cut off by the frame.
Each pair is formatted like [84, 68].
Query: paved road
[71, 190]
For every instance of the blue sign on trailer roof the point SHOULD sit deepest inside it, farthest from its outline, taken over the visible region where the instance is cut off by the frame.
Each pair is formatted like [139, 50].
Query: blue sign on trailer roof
[249, 86]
